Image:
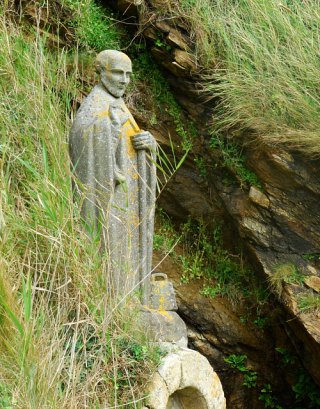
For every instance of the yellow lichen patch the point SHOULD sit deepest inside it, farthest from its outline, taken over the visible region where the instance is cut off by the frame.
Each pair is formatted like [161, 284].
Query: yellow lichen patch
[162, 303]
[129, 131]
[134, 220]
[103, 114]
[165, 314]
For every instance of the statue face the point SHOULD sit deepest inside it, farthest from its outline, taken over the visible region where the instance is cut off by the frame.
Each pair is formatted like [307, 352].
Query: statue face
[116, 76]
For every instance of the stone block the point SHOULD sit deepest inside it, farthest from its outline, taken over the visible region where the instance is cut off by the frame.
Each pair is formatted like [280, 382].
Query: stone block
[185, 60]
[170, 371]
[258, 197]
[196, 372]
[190, 383]
[163, 326]
[313, 282]
[158, 393]
[162, 296]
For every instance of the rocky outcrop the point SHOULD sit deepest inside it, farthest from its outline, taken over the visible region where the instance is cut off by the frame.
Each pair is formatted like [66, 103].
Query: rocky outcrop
[216, 329]
[281, 225]
[277, 222]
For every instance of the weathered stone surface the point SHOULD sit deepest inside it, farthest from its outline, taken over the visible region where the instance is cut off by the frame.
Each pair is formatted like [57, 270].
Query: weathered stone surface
[172, 35]
[185, 60]
[164, 326]
[170, 371]
[150, 33]
[191, 381]
[258, 197]
[176, 39]
[186, 194]
[197, 373]
[162, 296]
[313, 282]
[169, 63]
[158, 393]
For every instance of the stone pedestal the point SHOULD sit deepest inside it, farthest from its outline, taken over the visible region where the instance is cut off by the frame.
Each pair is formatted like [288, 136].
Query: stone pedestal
[185, 380]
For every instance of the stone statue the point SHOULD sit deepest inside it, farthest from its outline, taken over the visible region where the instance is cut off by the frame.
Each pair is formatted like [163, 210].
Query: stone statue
[114, 165]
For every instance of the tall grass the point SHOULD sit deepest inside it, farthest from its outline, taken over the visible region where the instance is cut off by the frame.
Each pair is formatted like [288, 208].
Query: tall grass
[95, 26]
[61, 343]
[261, 59]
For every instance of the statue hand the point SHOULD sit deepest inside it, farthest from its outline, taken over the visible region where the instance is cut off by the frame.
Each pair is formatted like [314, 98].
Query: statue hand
[143, 140]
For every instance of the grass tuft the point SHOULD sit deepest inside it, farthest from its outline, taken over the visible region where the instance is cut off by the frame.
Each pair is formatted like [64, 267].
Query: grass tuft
[285, 273]
[261, 60]
[309, 303]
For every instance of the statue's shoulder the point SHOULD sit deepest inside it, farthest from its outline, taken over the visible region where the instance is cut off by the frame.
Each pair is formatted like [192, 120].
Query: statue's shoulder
[97, 101]
[94, 108]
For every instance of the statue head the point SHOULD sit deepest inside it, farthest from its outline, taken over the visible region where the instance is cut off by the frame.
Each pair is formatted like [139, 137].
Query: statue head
[115, 69]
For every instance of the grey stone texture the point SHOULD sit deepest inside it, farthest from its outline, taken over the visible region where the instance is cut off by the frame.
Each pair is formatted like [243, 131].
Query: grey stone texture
[162, 295]
[185, 380]
[114, 165]
[165, 327]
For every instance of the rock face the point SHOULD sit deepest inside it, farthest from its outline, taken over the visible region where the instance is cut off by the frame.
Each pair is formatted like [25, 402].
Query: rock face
[287, 230]
[216, 330]
[276, 223]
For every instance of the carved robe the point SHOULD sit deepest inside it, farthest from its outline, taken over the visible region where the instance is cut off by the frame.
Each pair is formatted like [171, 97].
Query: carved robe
[107, 170]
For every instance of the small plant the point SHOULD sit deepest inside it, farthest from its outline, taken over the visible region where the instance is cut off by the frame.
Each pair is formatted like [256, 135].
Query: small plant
[161, 42]
[239, 362]
[165, 238]
[211, 292]
[306, 390]
[250, 379]
[266, 396]
[261, 322]
[234, 159]
[286, 356]
[285, 273]
[311, 257]
[201, 255]
[308, 303]
[201, 166]
[6, 400]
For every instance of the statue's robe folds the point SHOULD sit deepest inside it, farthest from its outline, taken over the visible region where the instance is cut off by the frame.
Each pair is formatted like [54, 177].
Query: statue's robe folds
[107, 176]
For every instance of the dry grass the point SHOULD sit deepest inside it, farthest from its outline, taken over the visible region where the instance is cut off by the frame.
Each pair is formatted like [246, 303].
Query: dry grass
[62, 343]
[261, 58]
[310, 303]
[285, 273]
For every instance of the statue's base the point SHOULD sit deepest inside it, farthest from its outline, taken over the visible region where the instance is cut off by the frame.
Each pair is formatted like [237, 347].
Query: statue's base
[164, 327]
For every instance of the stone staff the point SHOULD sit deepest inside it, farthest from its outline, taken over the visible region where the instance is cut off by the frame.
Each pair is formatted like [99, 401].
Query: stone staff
[143, 226]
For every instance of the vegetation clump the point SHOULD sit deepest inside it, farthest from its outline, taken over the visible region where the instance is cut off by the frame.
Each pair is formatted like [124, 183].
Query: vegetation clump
[95, 27]
[200, 252]
[285, 273]
[309, 303]
[260, 60]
